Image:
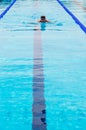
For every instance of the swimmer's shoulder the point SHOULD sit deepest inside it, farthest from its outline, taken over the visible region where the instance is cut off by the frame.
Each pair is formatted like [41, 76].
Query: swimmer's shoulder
[43, 21]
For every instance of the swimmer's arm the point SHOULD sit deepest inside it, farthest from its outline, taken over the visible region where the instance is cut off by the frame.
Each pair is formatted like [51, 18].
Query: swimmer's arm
[47, 20]
[38, 20]
[41, 21]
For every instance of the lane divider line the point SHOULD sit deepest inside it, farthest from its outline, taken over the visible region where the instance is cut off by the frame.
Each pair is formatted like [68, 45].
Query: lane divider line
[7, 9]
[39, 106]
[82, 26]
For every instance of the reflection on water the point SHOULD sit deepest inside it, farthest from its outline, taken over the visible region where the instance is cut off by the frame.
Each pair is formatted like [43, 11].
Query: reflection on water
[50, 26]
[56, 26]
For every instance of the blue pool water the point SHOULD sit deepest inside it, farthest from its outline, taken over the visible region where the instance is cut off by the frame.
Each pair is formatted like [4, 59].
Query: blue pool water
[42, 67]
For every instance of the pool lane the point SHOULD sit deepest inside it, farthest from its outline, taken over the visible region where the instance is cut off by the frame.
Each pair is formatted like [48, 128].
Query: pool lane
[82, 26]
[53, 58]
[65, 80]
[39, 107]
[16, 71]
[80, 4]
[15, 93]
[77, 8]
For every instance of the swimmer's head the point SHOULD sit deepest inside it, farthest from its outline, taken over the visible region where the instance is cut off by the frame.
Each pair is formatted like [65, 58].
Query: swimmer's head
[43, 17]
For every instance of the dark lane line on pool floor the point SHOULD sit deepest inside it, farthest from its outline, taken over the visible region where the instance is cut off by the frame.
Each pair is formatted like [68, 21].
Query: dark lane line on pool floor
[39, 107]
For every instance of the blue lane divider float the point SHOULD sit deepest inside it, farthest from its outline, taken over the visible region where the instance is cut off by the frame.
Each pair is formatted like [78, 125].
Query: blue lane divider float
[82, 26]
[7, 9]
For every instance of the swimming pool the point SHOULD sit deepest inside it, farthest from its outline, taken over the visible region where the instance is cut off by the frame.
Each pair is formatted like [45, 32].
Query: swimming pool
[42, 68]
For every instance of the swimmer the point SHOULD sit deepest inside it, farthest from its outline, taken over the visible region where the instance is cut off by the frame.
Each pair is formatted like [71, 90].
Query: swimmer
[43, 19]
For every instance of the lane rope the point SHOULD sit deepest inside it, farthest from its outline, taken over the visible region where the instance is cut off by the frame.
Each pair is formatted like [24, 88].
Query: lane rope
[82, 26]
[7, 9]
